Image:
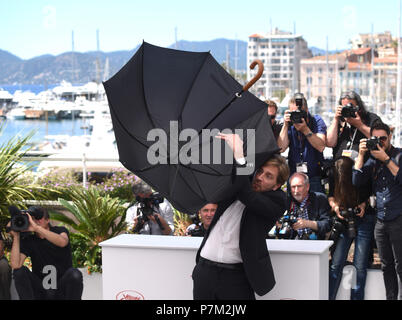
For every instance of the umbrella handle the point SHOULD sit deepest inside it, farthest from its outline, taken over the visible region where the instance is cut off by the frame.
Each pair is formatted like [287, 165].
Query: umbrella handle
[257, 76]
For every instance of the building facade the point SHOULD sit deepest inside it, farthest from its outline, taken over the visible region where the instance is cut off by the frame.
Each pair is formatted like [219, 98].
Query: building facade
[281, 53]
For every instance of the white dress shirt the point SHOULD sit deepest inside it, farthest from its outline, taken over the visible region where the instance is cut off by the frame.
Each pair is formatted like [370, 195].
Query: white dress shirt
[222, 244]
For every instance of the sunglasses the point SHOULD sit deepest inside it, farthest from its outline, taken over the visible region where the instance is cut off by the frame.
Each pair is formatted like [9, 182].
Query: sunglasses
[382, 138]
[348, 95]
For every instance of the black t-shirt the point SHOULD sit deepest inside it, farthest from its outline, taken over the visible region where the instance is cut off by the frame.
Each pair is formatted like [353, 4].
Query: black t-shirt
[43, 253]
[347, 137]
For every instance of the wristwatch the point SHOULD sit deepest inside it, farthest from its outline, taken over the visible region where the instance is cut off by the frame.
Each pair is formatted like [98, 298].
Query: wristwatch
[308, 135]
[386, 162]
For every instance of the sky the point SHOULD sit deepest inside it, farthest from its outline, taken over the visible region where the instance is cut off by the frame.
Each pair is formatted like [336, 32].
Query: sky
[30, 28]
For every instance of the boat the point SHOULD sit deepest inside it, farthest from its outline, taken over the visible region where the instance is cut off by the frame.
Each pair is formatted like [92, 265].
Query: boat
[16, 114]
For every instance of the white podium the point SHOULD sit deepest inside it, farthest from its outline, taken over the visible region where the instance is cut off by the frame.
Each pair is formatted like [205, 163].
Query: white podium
[159, 268]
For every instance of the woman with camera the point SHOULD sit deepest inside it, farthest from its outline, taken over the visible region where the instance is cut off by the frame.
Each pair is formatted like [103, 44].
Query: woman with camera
[355, 220]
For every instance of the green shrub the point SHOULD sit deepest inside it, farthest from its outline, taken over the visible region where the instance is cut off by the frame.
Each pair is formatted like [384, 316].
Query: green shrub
[97, 217]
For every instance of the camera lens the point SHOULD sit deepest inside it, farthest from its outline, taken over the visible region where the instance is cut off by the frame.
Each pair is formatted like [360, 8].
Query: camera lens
[19, 222]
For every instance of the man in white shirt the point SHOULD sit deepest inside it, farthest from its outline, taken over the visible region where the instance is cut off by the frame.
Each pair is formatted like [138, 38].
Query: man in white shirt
[233, 261]
[148, 224]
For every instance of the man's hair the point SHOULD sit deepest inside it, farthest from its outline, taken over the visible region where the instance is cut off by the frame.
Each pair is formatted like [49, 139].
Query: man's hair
[141, 188]
[301, 175]
[283, 169]
[293, 101]
[352, 95]
[272, 103]
[379, 125]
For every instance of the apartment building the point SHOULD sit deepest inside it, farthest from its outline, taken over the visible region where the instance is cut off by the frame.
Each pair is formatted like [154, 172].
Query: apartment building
[281, 53]
[320, 76]
[368, 40]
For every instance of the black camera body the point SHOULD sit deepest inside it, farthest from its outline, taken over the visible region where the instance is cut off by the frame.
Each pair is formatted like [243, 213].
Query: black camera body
[349, 111]
[286, 231]
[350, 219]
[19, 221]
[299, 97]
[372, 143]
[347, 225]
[198, 231]
[146, 208]
[298, 116]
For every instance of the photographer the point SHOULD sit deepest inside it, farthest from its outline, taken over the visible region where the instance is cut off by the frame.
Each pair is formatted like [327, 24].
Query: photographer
[272, 111]
[305, 136]
[351, 123]
[307, 217]
[205, 214]
[5, 273]
[52, 276]
[383, 167]
[150, 214]
[355, 220]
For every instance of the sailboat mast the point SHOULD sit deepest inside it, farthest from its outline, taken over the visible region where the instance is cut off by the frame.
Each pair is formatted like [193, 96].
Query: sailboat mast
[398, 84]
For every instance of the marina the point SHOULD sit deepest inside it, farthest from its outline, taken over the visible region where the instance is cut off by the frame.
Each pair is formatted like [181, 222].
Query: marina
[70, 125]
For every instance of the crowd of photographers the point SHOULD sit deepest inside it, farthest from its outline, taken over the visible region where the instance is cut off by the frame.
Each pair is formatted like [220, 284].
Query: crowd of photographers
[354, 197]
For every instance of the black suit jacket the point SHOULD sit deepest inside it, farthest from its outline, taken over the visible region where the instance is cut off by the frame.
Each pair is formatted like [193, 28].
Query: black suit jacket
[259, 216]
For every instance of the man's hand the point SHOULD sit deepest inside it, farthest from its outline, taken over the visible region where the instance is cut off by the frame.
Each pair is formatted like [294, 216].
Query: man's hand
[286, 118]
[12, 233]
[379, 154]
[302, 127]
[363, 147]
[166, 228]
[356, 122]
[301, 224]
[362, 208]
[338, 113]
[234, 142]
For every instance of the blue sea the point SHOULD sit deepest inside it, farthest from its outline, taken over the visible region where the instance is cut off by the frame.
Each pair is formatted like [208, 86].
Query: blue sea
[20, 128]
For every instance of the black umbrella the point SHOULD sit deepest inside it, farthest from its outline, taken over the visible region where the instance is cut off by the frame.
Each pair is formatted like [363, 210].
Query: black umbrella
[165, 104]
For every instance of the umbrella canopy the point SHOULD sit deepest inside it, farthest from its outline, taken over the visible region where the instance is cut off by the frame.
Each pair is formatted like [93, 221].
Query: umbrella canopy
[166, 106]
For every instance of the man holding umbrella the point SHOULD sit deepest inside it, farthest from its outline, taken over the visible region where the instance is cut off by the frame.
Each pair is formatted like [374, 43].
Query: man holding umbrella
[233, 261]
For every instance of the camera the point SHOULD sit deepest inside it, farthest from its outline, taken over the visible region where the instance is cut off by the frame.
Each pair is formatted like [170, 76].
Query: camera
[350, 219]
[146, 208]
[372, 143]
[298, 115]
[299, 97]
[347, 225]
[286, 231]
[349, 111]
[19, 218]
[198, 231]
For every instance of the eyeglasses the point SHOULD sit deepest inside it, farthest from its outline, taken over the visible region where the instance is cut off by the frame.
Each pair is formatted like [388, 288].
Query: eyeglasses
[382, 138]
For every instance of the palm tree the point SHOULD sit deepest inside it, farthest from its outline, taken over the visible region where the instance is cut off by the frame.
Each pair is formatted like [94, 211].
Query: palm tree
[11, 168]
[96, 218]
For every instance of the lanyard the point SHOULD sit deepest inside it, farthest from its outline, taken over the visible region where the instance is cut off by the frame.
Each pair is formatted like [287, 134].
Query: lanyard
[301, 145]
[353, 139]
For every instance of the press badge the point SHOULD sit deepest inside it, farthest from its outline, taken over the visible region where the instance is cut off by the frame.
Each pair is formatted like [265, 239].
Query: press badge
[353, 154]
[302, 167]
